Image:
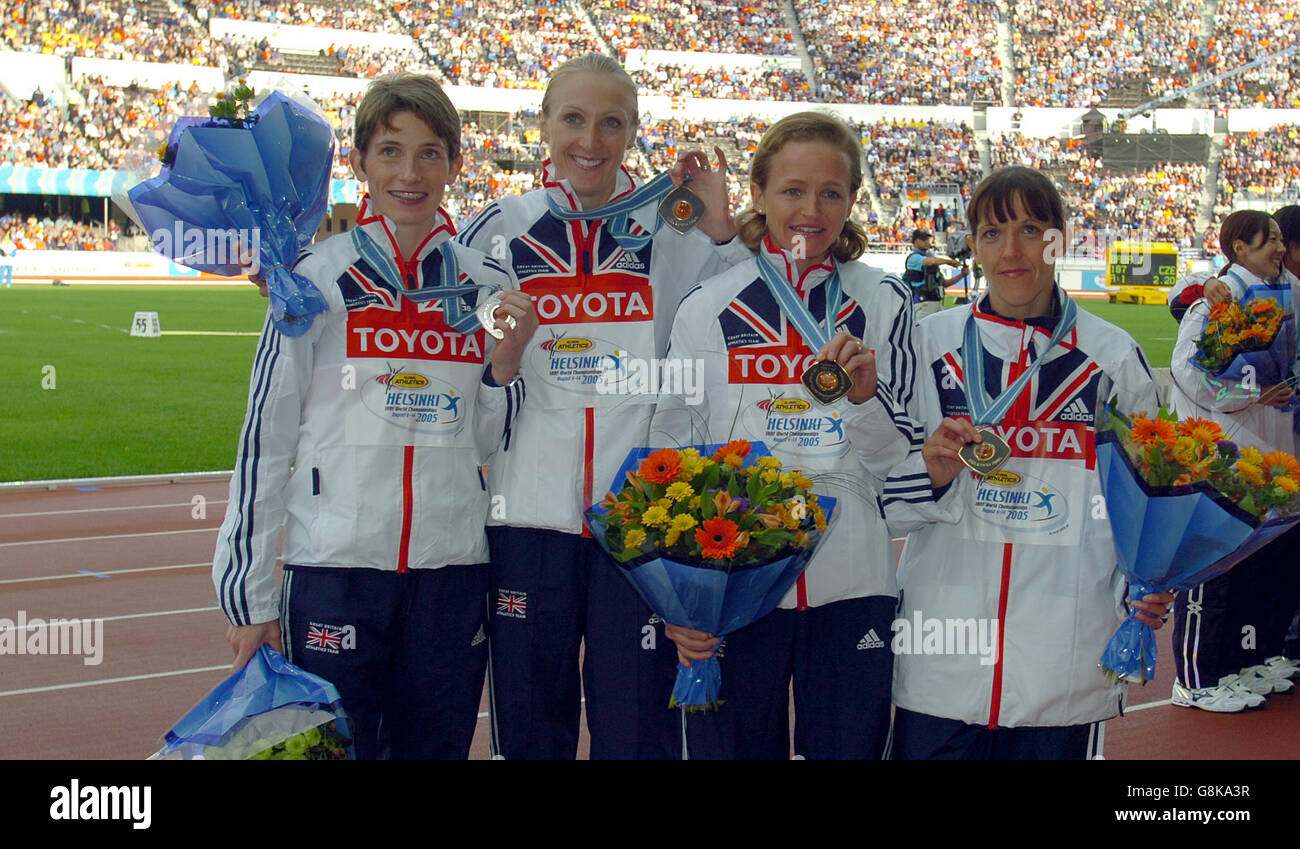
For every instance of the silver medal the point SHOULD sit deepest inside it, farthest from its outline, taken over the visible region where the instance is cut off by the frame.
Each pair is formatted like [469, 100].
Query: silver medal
[487, 316]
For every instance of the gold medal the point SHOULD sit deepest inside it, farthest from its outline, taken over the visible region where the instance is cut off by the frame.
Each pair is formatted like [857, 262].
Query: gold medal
[826, 381]
[986, 456]
[681, 209]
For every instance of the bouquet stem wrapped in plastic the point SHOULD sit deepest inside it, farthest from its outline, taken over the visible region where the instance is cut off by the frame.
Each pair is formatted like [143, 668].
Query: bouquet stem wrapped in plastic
[268, 710]
[256, 186]
[1171, 536]
[716, 595]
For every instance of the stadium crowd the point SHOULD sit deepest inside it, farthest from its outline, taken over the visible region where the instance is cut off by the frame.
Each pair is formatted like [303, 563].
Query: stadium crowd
[874, 51]
[368, 15]
[704, 26]
[61, 233]
[1261, 164]
[1247, 30]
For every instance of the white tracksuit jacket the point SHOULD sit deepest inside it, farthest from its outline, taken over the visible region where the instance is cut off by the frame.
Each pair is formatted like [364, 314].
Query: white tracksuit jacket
[753, 357]
[1023, 562]
[594, 300]
[363, 436]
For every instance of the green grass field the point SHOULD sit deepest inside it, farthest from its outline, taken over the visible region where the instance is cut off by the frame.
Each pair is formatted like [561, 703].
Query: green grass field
[120, 405]
[129, 406]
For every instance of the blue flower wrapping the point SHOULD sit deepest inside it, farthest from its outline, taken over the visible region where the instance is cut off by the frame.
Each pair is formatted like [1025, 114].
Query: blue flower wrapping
[266, 177]
[1166, 539]
[706, 597]
[265, 702]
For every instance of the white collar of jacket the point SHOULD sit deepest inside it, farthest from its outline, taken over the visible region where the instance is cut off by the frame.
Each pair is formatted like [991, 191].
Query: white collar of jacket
[381, 229]
[1250, 278]
[785, 263]
[564, 195]
[1041, 327]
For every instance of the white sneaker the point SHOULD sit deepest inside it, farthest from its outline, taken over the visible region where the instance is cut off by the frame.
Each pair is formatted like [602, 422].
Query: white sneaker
[1247, 690]
[1283, 667]
[1213, 699]
[1268, 675]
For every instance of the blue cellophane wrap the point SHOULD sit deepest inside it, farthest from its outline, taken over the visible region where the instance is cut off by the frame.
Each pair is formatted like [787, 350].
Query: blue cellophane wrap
[1166, 539]
[271, 179]
[705, 597]
[264, 703]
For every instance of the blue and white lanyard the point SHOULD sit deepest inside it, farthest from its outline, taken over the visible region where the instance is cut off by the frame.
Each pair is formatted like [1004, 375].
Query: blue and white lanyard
[617, 213]
[814, 335]
[1275, 288]
[985, 410]
[455, 313]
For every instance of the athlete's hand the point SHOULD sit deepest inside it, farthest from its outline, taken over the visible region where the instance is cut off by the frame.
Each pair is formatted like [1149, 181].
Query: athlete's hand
[250, 264]
[1277, 395]
[857, 360]
[1216, 291]
[245, 640]
[1153, 609]
[711, 185]
[691, 644]
[509, 350]
[940, 450]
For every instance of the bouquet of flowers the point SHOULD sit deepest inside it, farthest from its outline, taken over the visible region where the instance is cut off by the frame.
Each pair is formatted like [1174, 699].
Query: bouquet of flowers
[244, 183]
[1185, 506]
[711, 537]
[1253, 342]
[268, 710]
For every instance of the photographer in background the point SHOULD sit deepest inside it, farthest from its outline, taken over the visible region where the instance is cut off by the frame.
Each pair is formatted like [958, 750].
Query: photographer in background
[923, 275]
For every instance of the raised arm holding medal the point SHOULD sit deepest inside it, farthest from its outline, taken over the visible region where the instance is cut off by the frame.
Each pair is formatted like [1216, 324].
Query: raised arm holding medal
[1008, 531]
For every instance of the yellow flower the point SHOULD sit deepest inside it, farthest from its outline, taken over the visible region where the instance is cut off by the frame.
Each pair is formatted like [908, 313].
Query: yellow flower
[634, 540]
[819, 515]
[683, 522]
[1249, 471]
[733, 460]
[788, 478]
[1287, 484]
[769, 475]
[1251, 455]
[767, 463]
[802, 482]
[666, 503]
[670, 539]
[679, 490]
[694, 503]
[655, 517]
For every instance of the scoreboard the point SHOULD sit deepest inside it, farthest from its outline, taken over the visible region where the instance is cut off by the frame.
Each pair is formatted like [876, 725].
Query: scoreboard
[1141, 264]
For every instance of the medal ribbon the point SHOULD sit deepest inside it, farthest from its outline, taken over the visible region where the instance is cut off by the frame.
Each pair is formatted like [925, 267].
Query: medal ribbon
[617, 213]
[455, 313]
[986, 411]
[1274, 288]
[796, 311]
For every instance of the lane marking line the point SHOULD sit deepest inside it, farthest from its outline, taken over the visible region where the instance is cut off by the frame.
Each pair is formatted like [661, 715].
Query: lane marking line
[1146, 705]
[109, 572]
[117, 618]
[111, 536]
[105, 509]
[53, 687]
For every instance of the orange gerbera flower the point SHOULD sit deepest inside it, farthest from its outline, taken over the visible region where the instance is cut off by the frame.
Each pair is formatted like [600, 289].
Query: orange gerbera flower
[1290, 467]
[718, 538]
[661, 466]
[1153, 432]
[1199, 429]
[1262, 306]
[739, 447]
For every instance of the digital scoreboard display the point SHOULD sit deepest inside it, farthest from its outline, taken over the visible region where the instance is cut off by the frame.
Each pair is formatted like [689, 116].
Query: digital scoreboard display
[1141, 264]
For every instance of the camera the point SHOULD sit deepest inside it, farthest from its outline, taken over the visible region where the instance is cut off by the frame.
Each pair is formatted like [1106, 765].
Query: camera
[957, 247]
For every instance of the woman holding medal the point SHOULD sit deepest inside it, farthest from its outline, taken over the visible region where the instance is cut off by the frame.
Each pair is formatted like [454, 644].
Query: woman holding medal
[1013, 557]
[606, 277]
[811, 353]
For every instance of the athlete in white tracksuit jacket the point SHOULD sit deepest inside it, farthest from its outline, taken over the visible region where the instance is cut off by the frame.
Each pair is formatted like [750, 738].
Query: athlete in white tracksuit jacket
[594, 301]
[363, 438]
[752, 358]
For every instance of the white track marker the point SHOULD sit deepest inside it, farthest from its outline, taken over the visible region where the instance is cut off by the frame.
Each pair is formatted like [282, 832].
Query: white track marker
[111, 536]
[1146, 705]
[120, 617]
[186, 504]
[211, 333]
[94, 573]
[52, 687]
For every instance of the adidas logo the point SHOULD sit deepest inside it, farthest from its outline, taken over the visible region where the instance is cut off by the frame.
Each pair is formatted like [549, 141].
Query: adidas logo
[630, 262]
[870, 641]
[1077, 411]
[479, 637]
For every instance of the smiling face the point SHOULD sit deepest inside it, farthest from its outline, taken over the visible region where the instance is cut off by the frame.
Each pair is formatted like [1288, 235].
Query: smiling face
[406, 168]
[588, 123]
[1263, 256]
[1014, 253]
[807, 199]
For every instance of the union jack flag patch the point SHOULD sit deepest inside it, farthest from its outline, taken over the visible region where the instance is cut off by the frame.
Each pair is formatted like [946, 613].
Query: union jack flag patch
[330, 638]
[513, 604]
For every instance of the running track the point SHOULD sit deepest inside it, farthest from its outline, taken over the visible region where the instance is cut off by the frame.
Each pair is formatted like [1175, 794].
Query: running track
[138, 557]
